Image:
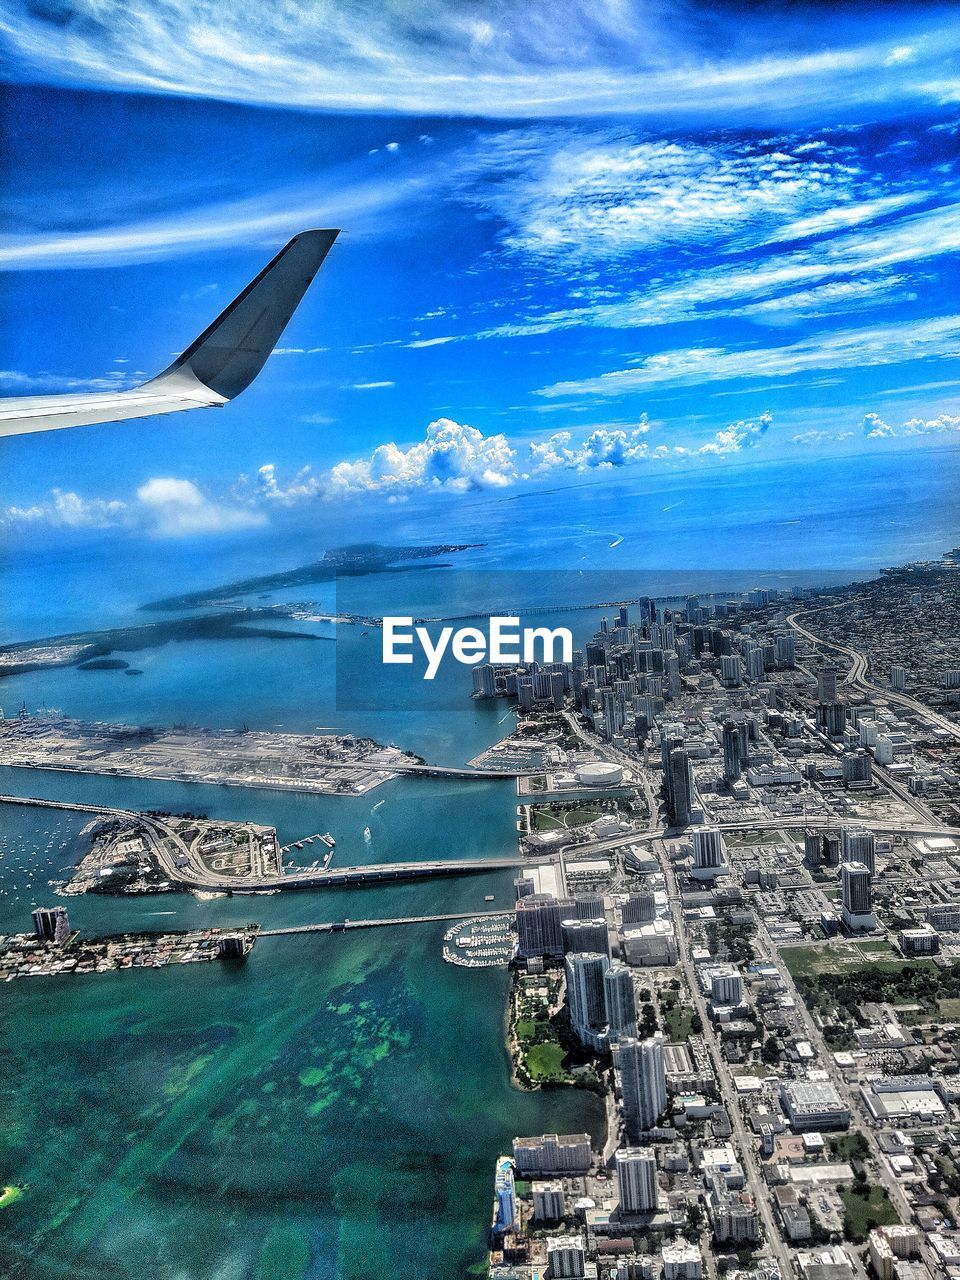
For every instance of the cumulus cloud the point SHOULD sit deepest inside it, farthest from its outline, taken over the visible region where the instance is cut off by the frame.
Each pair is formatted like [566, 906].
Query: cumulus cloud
[874, 427]
[604, 447]
[738, 435]
[68, 510]
[268, 488]
[453, 456]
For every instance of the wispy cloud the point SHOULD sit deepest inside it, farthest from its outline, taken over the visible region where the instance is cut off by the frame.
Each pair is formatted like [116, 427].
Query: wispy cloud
[342, 199]
[847, 348]
[631, 56]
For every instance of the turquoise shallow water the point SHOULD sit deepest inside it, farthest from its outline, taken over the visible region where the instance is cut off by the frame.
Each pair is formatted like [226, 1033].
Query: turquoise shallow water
[308, 1113]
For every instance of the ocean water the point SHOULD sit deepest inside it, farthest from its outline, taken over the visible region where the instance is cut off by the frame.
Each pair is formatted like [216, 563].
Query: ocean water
[333, 1107]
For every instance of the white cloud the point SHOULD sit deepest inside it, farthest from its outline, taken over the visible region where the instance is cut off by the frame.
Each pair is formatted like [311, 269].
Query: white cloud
[604, 447]
[303, 486]
[68, 510]
[738, 435]
[874, 427]
[846, 348]
[173, 508]
[163, 506]
[372, 386]
[600, 194]
[436, 58]
[17, 382]
[453, 456]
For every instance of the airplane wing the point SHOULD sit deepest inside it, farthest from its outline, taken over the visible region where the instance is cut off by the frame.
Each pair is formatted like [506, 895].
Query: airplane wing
[214, 369]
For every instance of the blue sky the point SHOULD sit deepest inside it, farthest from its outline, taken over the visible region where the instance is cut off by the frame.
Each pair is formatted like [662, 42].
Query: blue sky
[653, 236]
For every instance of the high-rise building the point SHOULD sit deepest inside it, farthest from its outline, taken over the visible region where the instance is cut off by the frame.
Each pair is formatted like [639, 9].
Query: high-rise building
[620, 1002]
[589, 906]
[831, 848]
[51, 924]
[539, 924]
[855, 896]
[549, 1202]
[812, 848]
[566, 1153]
[484, 681]
[585, 994]
[731, 752]
[857, 769]
[639, 908]
[643, 1083]
[708, 849]
[637, 1180]
[731, 669]
[726, 987]
[827, 684]
[859, 845]
[832, 718]
[586, 935]
[566, 1258]
[898, 677]
[681, 787]
[786, 649]
[506, 1198]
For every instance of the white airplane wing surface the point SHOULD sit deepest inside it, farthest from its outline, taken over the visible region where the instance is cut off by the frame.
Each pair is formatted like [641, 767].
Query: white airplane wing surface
[214, 369]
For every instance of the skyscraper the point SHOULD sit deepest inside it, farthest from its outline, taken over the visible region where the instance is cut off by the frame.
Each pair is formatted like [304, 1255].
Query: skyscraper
[735, 749]
[585, 994]
[586, 935]
[637, 1180]
[539, 924]
[643, 1083]
[681, 787]
[859, 845]
[827, 684]
[639, 908]
[708, 849]
[855, 896]
[51, 924]
[620, 1002]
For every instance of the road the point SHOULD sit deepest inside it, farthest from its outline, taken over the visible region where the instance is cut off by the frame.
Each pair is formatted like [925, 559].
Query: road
[728, 1093]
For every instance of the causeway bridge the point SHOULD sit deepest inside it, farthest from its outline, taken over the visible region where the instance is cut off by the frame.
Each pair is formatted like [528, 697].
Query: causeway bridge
[342, 926]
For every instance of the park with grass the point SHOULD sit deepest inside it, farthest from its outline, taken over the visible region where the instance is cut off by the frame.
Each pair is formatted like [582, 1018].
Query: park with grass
[865, 1207]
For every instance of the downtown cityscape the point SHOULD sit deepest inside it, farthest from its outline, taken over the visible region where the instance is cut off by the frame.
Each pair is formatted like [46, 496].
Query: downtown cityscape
[479, 640]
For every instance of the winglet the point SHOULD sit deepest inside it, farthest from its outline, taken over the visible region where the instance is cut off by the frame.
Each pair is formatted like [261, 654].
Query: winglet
[230, 353]
[220, 364]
